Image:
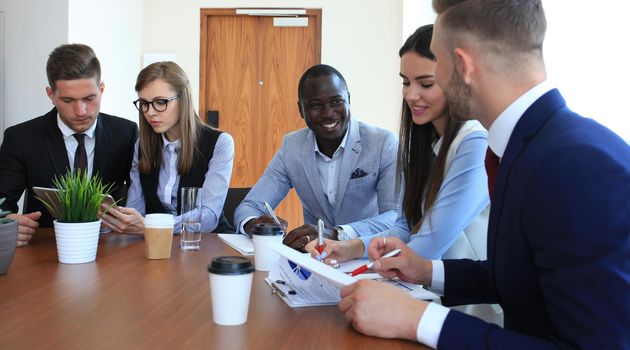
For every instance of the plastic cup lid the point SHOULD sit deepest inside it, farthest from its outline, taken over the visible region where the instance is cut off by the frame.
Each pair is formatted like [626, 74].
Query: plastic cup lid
[231, 265]
[266, 229]
[159, 220]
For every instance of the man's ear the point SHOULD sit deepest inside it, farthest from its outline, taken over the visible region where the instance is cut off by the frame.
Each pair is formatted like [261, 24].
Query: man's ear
[463, 64]
[101, 87]
[300, 109]
[49, 92]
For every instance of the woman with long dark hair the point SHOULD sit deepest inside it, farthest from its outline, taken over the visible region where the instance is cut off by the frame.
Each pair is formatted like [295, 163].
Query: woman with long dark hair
[441, 166]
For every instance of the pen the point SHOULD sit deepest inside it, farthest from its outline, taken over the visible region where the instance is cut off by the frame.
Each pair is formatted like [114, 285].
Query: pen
[365, 267]
[320, 236]
[271, 213]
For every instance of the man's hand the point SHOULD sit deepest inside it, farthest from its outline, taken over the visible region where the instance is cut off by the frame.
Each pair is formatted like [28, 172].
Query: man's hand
[264, 219]
[337, 250]
[378, 309]
[27, 224]
[407, 265]
[300, 237]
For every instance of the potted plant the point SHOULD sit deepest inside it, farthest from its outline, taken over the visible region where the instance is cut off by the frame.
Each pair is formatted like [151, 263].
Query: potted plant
[78, 224]
[8, 239]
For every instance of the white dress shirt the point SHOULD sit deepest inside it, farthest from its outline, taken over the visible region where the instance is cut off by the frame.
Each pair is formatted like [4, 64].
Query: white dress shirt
[432, 321]
[71, 143]
[328, 171]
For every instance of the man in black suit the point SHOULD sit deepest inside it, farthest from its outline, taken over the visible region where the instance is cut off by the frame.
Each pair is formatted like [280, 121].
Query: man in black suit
[73, 135]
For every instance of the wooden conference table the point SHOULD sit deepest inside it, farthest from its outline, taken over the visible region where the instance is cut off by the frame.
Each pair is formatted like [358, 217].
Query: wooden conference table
[124, 301]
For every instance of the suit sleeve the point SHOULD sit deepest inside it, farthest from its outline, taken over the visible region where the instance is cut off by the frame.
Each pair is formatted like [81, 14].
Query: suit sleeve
[576, 216]
[388, 198]
[272, 187]
[12, 171]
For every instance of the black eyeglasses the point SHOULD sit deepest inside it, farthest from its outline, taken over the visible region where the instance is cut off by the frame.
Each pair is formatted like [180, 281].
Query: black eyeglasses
[159, 104]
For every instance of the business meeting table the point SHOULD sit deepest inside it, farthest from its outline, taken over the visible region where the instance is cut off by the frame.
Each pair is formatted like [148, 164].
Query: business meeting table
[124, 301]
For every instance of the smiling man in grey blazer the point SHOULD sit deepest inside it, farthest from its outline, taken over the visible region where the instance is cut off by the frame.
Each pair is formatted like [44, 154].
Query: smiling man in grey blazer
[342, 170]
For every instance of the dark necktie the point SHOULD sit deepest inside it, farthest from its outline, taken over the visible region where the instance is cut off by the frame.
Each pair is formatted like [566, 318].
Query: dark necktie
[80, 155]
[492, 169]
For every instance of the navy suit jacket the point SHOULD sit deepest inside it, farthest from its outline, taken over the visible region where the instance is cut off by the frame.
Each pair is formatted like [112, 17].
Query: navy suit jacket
[33, 153]
[558, 240]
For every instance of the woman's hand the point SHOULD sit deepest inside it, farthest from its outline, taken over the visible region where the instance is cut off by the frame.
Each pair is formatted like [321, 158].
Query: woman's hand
[337, 250]
[407, 265]
[122, 220]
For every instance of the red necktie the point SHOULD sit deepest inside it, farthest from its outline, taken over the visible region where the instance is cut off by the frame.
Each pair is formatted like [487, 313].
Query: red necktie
[80, 155]
[492, 169]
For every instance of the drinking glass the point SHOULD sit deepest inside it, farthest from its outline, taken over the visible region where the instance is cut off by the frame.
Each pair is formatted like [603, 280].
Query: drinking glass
[190, 205]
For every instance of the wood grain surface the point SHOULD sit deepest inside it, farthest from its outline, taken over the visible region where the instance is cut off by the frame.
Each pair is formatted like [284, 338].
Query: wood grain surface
[124, 301]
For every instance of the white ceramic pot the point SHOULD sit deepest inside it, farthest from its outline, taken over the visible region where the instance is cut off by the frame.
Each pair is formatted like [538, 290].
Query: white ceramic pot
[77, 241]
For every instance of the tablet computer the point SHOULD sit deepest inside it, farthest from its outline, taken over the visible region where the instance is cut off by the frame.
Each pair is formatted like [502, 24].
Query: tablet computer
[51, 195]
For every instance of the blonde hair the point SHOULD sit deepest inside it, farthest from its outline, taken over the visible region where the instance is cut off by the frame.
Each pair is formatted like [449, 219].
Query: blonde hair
[151, 143]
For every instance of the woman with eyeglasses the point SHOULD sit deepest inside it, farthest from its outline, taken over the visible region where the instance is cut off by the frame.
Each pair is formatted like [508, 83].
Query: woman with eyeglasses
[176, 149]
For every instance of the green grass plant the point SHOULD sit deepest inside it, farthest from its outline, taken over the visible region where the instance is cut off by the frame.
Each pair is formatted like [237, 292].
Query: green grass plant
[80, 197]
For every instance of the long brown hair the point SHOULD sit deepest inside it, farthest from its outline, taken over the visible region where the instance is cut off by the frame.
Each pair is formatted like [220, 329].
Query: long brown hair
[189, 123]
[422, 177]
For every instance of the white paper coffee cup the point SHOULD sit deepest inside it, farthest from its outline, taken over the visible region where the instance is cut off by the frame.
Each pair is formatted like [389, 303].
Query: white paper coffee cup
[230, 288]
[263, 234]
[158, 235]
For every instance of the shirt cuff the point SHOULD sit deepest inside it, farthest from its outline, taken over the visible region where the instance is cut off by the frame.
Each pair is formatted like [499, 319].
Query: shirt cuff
[430, 325]
[241, 226]
[437, 277]
[347, 233]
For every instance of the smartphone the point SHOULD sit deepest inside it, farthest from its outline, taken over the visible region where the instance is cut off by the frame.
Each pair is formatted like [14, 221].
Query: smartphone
[52, 195]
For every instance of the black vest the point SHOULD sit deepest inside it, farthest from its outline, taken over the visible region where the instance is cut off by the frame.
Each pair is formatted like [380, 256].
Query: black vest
[206, 140]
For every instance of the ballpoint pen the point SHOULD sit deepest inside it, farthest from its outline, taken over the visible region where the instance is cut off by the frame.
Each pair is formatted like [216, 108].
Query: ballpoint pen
[320, 236]
[365, 267]
[271, 213]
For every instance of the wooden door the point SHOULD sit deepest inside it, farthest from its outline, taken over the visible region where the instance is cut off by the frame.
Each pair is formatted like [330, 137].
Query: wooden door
[249, 72]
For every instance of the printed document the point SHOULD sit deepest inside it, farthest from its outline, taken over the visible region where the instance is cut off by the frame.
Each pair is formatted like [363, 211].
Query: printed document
[301, 280]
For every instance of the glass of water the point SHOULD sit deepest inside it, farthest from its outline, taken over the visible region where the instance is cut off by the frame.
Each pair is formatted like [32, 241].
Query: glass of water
[190, 205]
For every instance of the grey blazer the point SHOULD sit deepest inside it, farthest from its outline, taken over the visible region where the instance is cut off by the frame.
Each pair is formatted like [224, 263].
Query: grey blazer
[366, 198]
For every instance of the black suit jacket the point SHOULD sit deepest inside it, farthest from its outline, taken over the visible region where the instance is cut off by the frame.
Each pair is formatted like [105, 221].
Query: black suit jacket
[33, 153]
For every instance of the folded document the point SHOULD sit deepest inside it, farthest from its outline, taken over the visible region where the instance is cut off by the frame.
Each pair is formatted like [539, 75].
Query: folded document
[301, 280]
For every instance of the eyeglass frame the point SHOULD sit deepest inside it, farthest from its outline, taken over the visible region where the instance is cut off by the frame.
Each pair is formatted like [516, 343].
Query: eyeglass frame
[141, 102]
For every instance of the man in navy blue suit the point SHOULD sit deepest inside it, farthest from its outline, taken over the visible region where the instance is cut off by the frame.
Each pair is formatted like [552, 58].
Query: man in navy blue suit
[559, 228]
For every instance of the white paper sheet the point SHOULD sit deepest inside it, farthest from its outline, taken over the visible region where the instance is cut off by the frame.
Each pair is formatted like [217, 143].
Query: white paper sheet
[242, 243]
[301, 280]
[335, 276]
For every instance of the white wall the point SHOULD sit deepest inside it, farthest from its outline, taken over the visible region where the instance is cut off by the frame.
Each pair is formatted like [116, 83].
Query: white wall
[33, 28]
[587, 55]
[416, 13]
[113, 29]
[359, 37]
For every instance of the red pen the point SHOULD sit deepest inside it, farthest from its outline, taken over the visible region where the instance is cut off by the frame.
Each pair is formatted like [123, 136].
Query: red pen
[320, 236]
[361, 269]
